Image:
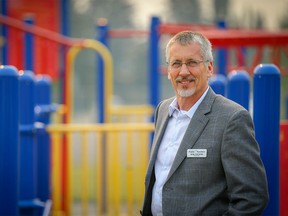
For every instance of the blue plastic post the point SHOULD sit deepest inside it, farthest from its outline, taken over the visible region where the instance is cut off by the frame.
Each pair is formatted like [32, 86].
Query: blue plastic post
[9, 140]
[102, 30]
[43, 111]
[28, 181]
[218, 83]
[4, 50]
[222, 52]
[266, 117]
[238, 88]
[154, 75]
[28, 45]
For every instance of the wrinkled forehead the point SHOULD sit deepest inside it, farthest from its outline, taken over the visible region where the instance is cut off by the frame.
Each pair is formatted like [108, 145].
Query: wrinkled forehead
[178, 51]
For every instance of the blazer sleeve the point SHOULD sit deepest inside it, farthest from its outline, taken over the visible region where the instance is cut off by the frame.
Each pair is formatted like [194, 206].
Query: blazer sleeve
[244, 170]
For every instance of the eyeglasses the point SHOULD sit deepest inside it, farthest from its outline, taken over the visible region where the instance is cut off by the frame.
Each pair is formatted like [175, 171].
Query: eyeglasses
[189, 64]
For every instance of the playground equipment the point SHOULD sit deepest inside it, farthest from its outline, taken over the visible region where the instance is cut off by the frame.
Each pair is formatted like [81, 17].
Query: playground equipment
[18, 126]
[239, 80]
[33, 160]
[105, 131]
[267, 128]
[9, 135]
[235, 42]
[76, 46]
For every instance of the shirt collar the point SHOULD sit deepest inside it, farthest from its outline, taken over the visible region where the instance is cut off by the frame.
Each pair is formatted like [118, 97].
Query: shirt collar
[174, 106]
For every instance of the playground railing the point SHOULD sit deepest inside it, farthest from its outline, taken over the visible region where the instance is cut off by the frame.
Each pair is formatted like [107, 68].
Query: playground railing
[108, 161]
[108, 164]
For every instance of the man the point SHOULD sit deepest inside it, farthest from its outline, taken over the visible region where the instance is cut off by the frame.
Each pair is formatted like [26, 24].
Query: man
[204, 158]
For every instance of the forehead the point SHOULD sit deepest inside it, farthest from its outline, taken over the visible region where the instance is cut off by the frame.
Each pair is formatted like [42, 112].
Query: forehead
[189, 51]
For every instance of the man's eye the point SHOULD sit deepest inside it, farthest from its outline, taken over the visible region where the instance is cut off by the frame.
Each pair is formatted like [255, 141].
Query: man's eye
[176, 64]
[192, 63]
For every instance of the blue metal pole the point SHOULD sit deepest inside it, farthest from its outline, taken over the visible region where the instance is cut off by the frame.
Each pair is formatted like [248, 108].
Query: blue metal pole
[28, 46]
[28, 183]
[154, 75]
[9, 140]
[238, 88]
[43, 111]
[4, 50]
[222, 52]
[64, 29]
[102, 30]
[218, 83]
[266, 117]
[64, 16]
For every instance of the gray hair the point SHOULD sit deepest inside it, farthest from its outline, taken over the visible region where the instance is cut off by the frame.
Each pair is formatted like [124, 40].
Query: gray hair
[185, 38]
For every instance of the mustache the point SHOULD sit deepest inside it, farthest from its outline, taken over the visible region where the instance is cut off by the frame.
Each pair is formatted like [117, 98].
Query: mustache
[181, 79]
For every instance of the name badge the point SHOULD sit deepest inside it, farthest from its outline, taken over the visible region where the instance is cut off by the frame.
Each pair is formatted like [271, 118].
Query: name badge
[196, 153]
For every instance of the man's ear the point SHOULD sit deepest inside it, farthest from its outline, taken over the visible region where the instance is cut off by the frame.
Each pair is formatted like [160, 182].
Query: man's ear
[169, 76]
[210, 70]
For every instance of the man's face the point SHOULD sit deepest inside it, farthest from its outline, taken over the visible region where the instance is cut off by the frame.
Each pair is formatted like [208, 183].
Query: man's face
[189, 79]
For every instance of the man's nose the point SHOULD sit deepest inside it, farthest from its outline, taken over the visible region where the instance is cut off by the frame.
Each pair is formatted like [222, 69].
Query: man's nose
[184, 69]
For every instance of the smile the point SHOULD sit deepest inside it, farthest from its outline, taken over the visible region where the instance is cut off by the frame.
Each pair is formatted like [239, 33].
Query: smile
[185, 81]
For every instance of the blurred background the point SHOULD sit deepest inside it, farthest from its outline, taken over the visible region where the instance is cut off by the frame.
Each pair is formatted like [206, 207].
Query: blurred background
[130, 54]
[78, 19]
[99, 169]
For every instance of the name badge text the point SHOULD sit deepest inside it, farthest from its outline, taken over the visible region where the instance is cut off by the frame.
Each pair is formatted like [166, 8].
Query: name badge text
[196, 153]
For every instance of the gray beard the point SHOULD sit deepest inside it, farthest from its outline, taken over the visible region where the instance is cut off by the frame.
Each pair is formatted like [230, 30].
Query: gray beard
[186, 92]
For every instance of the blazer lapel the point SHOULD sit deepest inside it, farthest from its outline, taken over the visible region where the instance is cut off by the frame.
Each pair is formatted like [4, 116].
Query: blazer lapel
[194, 130]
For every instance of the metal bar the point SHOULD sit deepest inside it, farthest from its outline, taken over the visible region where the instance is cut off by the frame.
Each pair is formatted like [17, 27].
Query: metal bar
[56, 174]
[115, 127]
[231, 37]
[132, 110]
[125, 33]
[40, 32]
[84, 174]
[99, 173]
[29, 45]
[129, 173]
[154, 75]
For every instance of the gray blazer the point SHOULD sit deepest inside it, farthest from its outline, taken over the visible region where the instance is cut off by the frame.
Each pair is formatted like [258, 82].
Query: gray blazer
[230, 180]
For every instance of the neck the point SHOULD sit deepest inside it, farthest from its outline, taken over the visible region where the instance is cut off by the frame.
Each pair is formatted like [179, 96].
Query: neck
[185, 103]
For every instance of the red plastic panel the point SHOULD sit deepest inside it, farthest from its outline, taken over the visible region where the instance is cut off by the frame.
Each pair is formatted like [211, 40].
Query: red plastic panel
[284, 168]
[46, 15]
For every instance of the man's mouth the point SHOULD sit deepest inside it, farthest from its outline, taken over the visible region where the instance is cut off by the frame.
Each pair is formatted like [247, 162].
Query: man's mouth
[185, 80]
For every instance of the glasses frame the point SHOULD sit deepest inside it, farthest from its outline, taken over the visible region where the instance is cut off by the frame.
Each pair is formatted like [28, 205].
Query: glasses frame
[189, 64]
